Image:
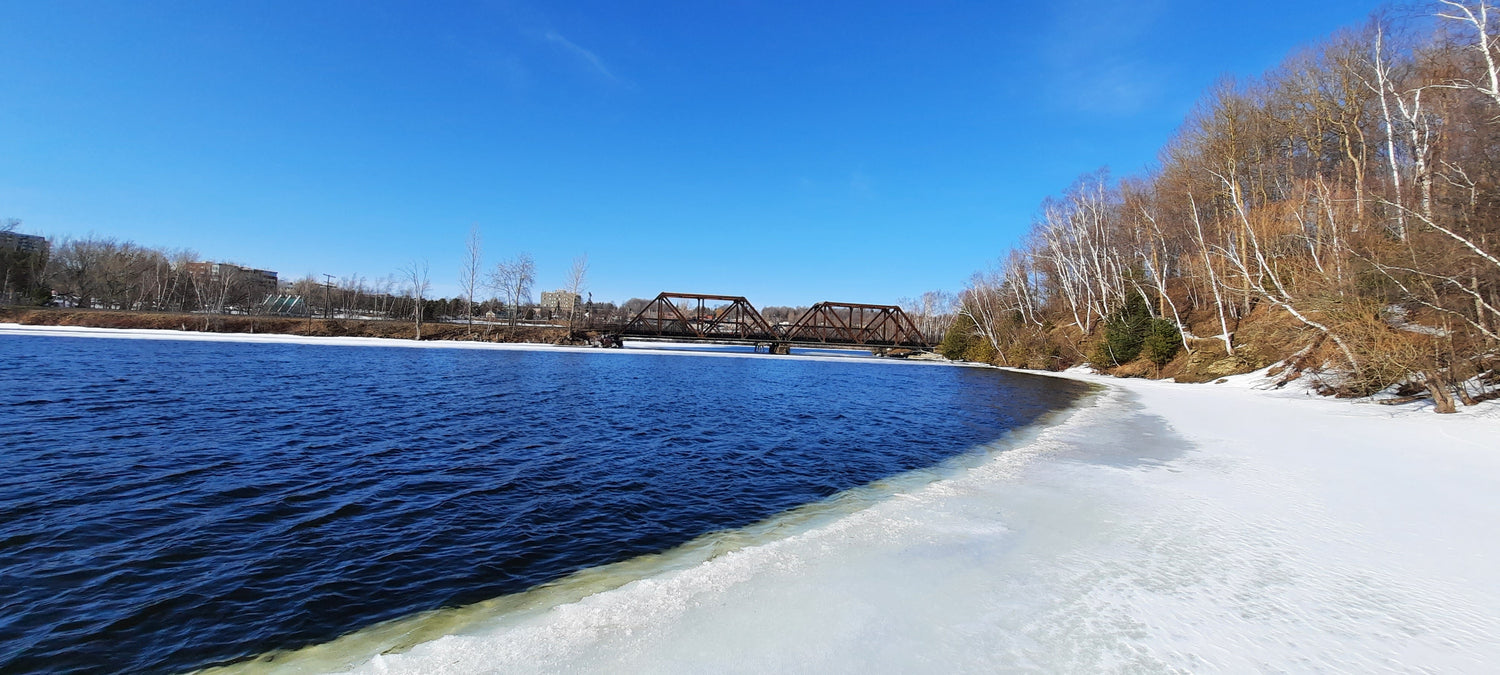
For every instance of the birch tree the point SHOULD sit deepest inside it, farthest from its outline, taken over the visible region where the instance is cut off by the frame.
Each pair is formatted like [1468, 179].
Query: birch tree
[417, 284]
[470, 273]
[576, 286]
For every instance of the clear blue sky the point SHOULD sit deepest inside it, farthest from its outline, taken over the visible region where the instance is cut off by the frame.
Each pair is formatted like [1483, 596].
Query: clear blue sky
[787, 151]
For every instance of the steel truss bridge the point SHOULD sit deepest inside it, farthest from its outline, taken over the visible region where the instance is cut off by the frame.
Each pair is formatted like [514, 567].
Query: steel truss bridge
[731, 319]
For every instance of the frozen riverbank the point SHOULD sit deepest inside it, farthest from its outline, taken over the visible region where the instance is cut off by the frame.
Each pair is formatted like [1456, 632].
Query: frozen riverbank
[1192, 527]
[631, 346]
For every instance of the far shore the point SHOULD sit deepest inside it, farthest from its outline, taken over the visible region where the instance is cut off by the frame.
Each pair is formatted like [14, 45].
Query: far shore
[255, 324]
[631, 346]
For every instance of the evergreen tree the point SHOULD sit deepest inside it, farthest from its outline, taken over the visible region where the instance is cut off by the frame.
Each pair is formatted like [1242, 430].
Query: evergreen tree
[1124, 334]
[1162, 341]
[956, 341]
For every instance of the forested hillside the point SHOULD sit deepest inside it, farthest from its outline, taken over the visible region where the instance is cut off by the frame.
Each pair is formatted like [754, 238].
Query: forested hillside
[1339, 212]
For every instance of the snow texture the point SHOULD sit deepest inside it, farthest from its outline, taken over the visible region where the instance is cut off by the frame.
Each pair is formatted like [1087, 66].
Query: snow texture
[1161, 528]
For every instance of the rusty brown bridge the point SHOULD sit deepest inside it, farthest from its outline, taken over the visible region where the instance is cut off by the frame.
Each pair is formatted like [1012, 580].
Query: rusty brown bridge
[731, 319]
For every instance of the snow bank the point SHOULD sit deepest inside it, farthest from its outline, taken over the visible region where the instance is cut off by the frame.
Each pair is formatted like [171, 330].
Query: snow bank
[1160, 527]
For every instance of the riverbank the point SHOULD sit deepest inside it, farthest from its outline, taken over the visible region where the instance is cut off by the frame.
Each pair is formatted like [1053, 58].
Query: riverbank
[630, 347]
[1161, 527]
[244, 324]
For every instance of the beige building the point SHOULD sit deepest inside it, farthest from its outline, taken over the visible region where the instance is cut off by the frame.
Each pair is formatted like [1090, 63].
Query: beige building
[559, 300]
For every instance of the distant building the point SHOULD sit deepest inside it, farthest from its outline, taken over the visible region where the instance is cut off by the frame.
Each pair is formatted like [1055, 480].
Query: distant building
[263, 281]
[559, 300]
[25, 243]
[254, 283]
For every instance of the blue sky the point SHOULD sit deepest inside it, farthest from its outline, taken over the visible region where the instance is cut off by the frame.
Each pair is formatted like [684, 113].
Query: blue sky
[790, 152]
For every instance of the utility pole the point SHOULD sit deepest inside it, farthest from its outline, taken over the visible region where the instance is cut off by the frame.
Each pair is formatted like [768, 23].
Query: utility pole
[328, 296]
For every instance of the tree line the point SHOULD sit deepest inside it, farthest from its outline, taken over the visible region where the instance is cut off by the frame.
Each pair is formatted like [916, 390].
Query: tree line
[1340, 210]
[106, 273]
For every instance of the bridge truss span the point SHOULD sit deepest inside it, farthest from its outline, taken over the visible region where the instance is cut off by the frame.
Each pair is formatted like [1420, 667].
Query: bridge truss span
[855, 324]
[694, 317]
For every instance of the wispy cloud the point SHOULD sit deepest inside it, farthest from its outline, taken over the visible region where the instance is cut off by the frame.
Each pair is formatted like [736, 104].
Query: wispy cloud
[589, 58]
[1095, 59]
[1121, 87]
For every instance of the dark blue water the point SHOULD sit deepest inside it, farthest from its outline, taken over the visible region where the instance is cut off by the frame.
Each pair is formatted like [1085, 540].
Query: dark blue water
[171, 505]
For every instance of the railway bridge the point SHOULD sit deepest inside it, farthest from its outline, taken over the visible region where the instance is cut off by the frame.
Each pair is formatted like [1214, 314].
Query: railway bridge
[731, 319]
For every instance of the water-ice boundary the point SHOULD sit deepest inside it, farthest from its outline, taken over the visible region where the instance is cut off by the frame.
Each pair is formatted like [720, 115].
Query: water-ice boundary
[631, 346]
[648, 587]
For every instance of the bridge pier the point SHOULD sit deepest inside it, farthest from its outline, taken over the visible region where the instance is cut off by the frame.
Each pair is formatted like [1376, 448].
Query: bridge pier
[780, 348]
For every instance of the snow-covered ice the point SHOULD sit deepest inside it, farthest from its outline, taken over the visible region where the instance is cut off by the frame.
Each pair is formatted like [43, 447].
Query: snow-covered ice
[1159, 528]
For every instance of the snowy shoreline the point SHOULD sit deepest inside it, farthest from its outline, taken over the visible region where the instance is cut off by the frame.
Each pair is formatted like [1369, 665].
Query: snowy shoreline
[631, 346]
[1157, 527]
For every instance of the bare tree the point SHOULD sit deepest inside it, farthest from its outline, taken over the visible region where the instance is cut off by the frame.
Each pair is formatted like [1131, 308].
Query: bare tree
[984, 302]
[6, 260]
[932, 313]
[1213, 279]
[178, 280]
[225, 286]
[576, 285]
[513, 279]
[469, 275]
[1486, 43]
[415, 274]
[79, 267]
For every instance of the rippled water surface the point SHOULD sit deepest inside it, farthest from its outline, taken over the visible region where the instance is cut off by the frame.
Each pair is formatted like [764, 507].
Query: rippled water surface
[169, 505]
